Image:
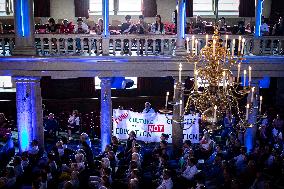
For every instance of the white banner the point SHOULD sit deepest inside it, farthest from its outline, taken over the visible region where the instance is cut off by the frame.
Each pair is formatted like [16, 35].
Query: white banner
[149, 126]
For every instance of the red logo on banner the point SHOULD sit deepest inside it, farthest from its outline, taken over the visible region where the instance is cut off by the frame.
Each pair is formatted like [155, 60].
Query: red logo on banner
[155, 128]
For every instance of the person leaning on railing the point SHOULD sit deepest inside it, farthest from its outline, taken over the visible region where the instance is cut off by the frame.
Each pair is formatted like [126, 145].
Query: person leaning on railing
[127, 28]
[80, 28]
[158, 28]
[142, 28]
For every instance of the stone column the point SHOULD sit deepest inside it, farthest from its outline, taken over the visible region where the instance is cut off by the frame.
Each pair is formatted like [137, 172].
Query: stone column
[29, 112]
[24, 28]
[105, 35]
[181, 21]
[106, 112]
[177, 128]
[257, 33]
[250, 133]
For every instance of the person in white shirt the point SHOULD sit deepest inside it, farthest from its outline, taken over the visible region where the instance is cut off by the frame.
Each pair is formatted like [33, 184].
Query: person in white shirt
[167, 182]
[73, 123]
[148, 108]
[264, 28]
[191, 169]
[80, 28]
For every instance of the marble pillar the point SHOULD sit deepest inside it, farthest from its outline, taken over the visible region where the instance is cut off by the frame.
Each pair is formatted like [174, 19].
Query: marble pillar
[177, 128]
[24, 28]
[29, 112]
[105, 35]
[257, 33]
[181, 21]
[106, 112]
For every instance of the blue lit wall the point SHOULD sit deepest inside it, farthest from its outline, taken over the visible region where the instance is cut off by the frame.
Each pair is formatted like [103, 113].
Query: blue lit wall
[264, 83]
[22, 16]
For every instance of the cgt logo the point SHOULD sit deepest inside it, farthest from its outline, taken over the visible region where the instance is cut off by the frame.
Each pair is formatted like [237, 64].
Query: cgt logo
[156, 128]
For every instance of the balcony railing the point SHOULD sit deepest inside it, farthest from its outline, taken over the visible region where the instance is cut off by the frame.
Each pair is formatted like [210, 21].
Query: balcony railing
[133, 45]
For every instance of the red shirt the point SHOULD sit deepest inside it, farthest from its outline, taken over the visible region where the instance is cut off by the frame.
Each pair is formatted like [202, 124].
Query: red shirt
[68, 29]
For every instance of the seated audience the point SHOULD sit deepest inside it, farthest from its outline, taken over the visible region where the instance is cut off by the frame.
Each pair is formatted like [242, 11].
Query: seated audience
[158, 26]
[128, 27]
[241, 28]
[100, 26]
[52, 26]
[264, 28]
[66, 27]
[222, 26]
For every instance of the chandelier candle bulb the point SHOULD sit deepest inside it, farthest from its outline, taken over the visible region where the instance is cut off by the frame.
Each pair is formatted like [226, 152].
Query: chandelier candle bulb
[187, 45]
[206, 39]
[179, 73]
[180, 107]
[192, 44]
[215, 114]
[214, 43]
[167, 98]
[260, 103]
[233, 47]
[195, 80]
[243, 46]
[245, 74]
[224, 80]
[239, 69]
[226, 42]
[247, 111]
[239, 45]
[196, 46]
[252, 93]
[249, 75]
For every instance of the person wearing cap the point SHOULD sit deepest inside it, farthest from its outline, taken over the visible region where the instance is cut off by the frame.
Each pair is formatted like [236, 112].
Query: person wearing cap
[148, 108]
[80, 28]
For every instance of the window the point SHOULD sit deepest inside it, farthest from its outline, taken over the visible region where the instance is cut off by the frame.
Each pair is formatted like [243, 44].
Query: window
[226, 7]
[132, 7]
[6, 84]
[96, 7]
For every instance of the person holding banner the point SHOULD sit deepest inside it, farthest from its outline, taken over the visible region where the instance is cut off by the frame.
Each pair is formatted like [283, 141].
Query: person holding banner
[148, 109]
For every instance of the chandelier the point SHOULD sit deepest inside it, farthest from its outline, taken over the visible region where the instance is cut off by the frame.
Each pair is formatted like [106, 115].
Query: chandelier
[216, 91]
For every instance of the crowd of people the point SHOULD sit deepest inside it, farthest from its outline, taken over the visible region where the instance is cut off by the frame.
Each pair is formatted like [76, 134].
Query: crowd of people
[133, 164]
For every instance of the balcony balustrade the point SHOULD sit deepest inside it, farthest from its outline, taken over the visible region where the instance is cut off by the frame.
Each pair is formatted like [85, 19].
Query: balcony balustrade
[134, 45]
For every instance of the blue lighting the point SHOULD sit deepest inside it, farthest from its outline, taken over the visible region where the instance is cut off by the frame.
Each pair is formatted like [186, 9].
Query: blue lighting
[264, 83]
[23, 18]
[183, 21]
[249, 139]
[259, 7]
[23, 117]
[106, 17]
